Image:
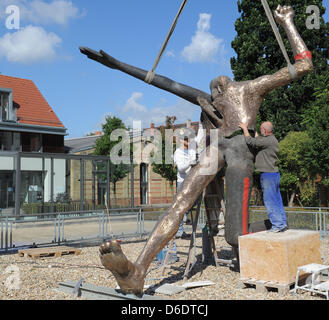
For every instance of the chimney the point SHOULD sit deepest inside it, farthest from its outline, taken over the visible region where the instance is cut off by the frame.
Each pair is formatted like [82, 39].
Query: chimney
[152, 129]
[188, 123]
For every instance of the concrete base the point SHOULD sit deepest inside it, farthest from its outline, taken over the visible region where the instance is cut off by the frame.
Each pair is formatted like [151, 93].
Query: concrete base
[276, 256]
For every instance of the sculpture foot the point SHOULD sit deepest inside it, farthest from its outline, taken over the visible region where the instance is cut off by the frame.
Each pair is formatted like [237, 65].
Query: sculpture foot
[129, 278]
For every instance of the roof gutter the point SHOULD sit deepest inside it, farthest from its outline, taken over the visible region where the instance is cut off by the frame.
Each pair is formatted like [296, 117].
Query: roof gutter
[21, 127]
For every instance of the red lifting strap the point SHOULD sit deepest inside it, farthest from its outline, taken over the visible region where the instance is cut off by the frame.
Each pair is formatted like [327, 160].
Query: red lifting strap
[303, 55]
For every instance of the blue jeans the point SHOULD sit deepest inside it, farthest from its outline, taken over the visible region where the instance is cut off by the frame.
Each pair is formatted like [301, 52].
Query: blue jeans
[270, 182]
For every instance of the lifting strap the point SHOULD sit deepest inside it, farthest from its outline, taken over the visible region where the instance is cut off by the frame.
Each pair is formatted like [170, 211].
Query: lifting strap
[150, 74]
[291, 68]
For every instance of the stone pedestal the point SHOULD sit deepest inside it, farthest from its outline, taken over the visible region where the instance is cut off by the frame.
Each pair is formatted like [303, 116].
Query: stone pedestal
[275, 257]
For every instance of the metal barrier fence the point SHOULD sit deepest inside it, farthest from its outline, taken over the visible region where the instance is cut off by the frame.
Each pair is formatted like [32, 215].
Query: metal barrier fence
[6, 239]
[78, 227]
[308, 218]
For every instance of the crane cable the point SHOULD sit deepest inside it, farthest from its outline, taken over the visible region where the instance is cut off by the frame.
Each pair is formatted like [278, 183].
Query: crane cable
[291, 68]
[150, 74]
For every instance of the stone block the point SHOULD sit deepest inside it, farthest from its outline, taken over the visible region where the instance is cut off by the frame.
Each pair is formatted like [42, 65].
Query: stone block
[276, 256]
[169, 289]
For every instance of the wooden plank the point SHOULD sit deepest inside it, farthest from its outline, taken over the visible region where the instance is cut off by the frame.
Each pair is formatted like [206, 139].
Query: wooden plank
[46, 252]
[263, 286]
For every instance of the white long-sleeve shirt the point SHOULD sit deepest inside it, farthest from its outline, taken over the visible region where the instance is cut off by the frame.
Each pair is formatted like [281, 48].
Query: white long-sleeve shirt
[184, 159]
[200, 139]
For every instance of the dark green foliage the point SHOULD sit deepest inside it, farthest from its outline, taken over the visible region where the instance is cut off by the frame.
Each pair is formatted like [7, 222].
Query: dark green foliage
[103, 144]
[294, 165]
[63, 198]
[317, 122]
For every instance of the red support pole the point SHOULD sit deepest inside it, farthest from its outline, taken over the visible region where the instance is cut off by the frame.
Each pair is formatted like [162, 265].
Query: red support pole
[246, 184]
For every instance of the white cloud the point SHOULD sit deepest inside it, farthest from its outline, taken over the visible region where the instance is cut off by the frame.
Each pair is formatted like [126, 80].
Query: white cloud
[42, 12]
[58, 11]
[204, 46]
[133, 110]
[29, 45]
[99, 125]
[171, 54]
[132, 105]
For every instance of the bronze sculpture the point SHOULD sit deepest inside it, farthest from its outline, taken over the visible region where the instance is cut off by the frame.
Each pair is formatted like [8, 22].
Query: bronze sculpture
[229, 104]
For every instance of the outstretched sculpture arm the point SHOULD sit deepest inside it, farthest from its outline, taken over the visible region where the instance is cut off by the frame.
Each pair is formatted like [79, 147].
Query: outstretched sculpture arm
[285, 17]
[187, 93]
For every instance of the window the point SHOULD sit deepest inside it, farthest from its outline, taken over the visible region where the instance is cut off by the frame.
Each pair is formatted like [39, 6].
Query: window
[6, 140]
[143, 184]
[4, 103]
[32, 187]
[31, 142]
[7, 112]
[53, 143]
[16, 141]
[7, 191]
[10, 141]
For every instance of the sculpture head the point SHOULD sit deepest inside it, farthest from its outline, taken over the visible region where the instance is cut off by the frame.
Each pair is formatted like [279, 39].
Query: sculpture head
[219, 85]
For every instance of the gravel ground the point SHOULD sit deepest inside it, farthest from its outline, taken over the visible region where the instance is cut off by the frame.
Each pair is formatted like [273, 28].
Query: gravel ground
[38, 278]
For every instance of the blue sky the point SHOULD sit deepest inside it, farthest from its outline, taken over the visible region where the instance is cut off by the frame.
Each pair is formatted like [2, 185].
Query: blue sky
[83, 92]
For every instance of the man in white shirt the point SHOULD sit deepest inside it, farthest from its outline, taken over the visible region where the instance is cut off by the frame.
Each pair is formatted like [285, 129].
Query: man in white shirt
[184, 158]
[186, 155]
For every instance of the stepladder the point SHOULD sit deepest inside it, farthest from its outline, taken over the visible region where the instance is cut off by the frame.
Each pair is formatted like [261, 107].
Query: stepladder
[213, 200]
[192, 254]
[213, 205]
[170, 252]
[318, 282]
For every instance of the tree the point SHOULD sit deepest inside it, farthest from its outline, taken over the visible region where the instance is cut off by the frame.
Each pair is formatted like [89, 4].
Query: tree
[104, 145]
[258, 54]
[294, 168]
[317, 122]
[166, 171]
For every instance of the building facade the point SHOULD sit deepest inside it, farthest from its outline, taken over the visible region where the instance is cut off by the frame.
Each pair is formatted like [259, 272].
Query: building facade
[27, 124]
[141, 186]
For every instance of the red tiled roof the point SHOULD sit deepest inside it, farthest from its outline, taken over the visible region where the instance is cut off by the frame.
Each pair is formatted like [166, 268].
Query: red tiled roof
[33, 107]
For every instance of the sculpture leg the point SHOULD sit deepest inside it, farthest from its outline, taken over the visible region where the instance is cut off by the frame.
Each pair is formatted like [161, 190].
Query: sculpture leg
[213, 199]
[238, 179]
[130, 276]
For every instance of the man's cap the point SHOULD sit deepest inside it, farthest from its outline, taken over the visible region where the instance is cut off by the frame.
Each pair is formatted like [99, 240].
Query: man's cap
[186, 133]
